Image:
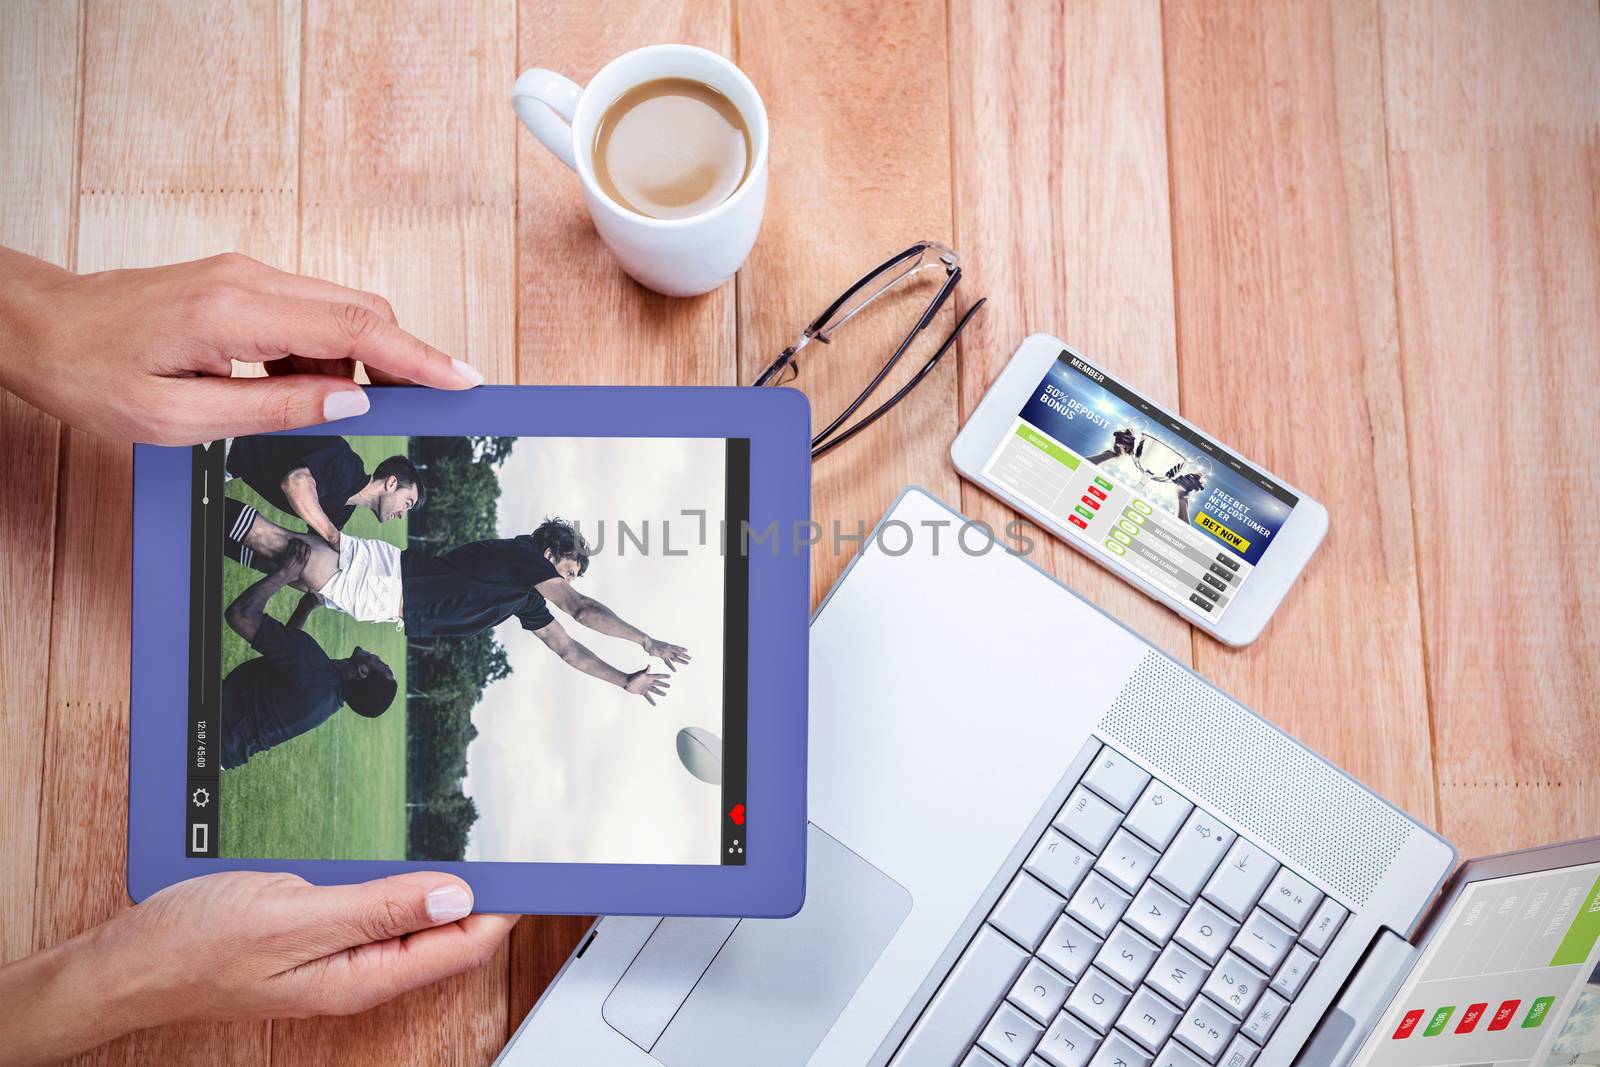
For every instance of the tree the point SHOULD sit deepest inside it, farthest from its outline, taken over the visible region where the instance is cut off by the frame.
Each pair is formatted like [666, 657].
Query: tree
[446, 676]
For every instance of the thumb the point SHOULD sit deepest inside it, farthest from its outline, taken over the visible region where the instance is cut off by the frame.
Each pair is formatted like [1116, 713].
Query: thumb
[350, 915]
[235, 407]
[383, 938]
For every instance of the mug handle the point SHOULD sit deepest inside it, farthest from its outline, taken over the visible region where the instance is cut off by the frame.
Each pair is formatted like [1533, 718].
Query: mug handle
[546, 102]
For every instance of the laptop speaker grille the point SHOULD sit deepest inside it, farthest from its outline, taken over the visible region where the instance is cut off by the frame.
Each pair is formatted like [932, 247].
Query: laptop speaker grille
[1247, 770]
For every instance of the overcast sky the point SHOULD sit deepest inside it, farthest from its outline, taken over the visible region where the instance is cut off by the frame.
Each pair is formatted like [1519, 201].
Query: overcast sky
[565, 767]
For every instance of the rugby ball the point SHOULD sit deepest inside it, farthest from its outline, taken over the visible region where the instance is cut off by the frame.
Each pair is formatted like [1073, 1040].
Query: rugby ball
[701, 754]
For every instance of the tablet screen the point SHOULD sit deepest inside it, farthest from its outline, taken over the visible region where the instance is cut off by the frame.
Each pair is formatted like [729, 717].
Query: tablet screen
[1509, 978]
[1148, 493]
[504, 649]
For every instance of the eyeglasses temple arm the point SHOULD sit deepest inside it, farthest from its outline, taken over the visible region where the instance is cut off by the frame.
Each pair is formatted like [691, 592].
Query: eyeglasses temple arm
[819, 446]
[927, 316]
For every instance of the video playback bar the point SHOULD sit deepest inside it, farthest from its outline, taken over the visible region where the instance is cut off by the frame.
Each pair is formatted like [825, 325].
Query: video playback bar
[202, 792]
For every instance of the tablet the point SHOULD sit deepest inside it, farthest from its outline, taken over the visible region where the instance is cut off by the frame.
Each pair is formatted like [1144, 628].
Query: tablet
[552, 640]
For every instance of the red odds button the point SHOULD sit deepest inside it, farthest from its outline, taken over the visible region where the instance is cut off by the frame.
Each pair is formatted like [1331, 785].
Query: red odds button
[1094, 505]
[1470, 1017]
[1079, 523]
[1098, 494]
[1503, 1014]
[1408, 1024]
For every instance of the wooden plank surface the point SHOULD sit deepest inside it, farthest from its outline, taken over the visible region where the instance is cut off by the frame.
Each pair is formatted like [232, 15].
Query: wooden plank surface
[860, 170]
[39, 67]
[1360, 241]
[1071, 134]
[581, 320]
[1494, 155]
[1288, 350]
[160, 180]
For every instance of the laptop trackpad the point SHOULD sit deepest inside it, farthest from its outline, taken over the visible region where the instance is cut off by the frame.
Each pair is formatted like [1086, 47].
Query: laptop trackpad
[776, 986]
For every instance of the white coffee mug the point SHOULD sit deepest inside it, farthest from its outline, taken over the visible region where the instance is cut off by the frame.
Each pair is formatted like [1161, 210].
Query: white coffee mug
[678, 257]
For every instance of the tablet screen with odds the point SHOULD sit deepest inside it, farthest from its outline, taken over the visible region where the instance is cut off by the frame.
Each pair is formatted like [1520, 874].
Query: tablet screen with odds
[505, 649]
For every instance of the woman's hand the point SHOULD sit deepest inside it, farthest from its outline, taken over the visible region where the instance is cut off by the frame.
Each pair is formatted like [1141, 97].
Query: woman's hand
[243, 945]
[144, 354]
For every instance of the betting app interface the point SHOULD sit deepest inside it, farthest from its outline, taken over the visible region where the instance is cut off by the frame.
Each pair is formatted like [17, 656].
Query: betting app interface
[501, 649]
[1141, 489]
[1510, 978]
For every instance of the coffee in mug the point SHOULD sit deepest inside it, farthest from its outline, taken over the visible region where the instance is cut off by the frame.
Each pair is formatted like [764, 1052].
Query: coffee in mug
[671, 148]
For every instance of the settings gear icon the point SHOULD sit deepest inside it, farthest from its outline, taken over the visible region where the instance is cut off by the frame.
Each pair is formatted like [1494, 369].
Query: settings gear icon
[201, 797]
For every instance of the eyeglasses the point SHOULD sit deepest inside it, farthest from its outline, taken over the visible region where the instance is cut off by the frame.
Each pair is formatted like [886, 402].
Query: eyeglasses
[896, 271]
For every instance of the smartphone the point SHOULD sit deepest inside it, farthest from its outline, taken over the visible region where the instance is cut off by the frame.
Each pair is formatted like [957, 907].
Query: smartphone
[1140, 491]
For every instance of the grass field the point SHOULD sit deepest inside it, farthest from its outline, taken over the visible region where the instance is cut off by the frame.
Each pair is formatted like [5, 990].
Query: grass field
[338, 791]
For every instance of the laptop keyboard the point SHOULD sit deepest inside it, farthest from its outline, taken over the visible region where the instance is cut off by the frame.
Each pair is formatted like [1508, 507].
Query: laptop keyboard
[1140, 932]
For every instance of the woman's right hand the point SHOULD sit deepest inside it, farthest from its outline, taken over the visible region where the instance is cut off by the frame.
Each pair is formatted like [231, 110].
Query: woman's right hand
[144, 355]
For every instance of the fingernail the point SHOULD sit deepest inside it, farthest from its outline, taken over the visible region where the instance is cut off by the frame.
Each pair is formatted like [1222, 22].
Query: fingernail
[467, 372]
[448, 903]
[344, 404]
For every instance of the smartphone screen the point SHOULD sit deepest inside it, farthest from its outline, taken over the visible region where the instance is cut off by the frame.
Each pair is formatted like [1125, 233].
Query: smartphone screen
[1146, 492]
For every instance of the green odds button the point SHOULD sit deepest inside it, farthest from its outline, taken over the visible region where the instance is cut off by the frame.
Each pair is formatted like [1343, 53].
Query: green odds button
[1134, 516]
[1440, 1018]
[1116, 548]
[1102, 483]
[1088, 516]
[1048, 447]
[1536, 1014]
[1133, 531]
[1120, 536]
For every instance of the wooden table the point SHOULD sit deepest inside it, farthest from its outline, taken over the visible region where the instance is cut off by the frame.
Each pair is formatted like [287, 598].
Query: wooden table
[1360, 240]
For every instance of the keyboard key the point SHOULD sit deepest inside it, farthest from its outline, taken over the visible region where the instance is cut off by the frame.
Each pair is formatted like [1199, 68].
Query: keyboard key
[1235, 985]
[1240, 1054]
[1291, 977]
[1059, 863]
[1178, 975]
[1264, 1019]
[1291, 898]
[1010, 1036]
[1126, 861]
[1088, 820]
[1206, 932]
[1116, 778]
[964, 1002]
[1176, 1055]
[1126, 956]
[1118, 1051]
[1207, 1029]
[1026, 911]
[1148, 1019]
[979, 1058]
[1070, 948]
[1263, 941]
[1068, 1043]
[1193, 855]
[1039, 991]
[1098, 904]
[1240, 879]
[1097, 1000]
[1158, 814]
[1318, 935]
[1155, 913]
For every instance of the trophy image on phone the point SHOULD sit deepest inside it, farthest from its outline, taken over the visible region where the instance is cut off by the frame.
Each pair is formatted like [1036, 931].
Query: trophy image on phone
[1156, 458]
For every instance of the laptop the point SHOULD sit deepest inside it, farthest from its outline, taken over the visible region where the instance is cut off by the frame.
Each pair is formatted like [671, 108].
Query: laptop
[1036, 841]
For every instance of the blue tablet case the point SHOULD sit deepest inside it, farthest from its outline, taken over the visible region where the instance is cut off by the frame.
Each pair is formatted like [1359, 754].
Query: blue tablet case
[776, 422]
